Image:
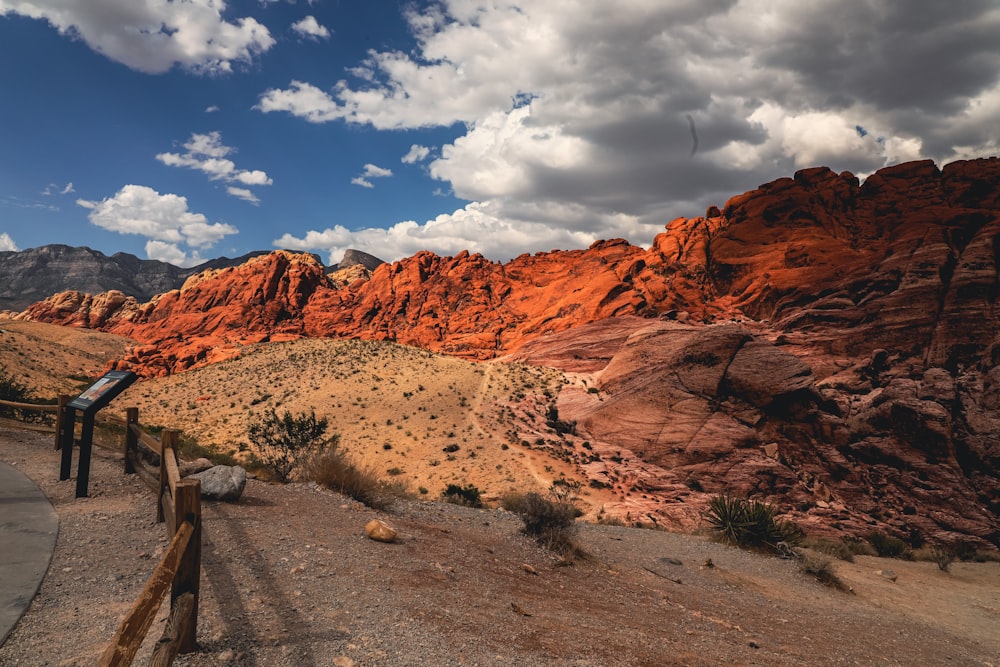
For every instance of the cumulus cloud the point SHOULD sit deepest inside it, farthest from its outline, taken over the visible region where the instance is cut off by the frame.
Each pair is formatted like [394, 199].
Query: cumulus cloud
[155, 35]
[310, 28]
[7, 243]
[577, 116]
[371, 171]
[164, 219]
[207, 153]
[417, 153]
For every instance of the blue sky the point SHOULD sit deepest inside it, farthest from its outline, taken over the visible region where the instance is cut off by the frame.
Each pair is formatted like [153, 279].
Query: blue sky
[185, 131]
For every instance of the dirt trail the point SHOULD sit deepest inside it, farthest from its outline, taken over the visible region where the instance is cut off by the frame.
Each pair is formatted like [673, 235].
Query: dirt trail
[289, 579]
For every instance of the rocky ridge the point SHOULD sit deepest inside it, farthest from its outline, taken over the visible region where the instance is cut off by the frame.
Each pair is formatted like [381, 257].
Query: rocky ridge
[819, 340]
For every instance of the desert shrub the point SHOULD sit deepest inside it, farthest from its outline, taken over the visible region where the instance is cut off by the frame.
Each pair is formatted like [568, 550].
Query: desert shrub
[749, 523]
[283, 441]
[17, 392]
[331, 467]
[821, 567]
[467, 496]
[859, 547]
[560, 426]
[552, 522]
[837, 548]
[887, 546]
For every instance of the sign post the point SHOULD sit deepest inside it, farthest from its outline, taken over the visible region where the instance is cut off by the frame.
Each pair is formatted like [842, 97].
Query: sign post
[97, 396]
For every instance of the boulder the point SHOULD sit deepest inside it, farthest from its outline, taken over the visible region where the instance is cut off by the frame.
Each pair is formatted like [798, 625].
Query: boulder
[380, 531]
[222, 482]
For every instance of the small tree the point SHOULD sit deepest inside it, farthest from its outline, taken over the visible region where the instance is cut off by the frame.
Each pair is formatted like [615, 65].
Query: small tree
[283, 441]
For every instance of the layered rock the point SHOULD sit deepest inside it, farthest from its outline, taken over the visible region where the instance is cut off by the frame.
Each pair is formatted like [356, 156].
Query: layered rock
[818, 340]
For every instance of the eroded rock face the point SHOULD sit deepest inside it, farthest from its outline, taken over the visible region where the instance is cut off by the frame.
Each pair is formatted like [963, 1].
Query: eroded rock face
[824, 342]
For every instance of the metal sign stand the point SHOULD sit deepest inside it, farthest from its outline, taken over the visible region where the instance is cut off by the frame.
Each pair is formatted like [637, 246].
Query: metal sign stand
[97, 396]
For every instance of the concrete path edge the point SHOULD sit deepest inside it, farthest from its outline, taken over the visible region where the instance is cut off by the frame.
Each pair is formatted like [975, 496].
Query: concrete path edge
[28, 529]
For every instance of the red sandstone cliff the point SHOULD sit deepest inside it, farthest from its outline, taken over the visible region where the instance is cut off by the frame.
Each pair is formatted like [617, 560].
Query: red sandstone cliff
[836, 345]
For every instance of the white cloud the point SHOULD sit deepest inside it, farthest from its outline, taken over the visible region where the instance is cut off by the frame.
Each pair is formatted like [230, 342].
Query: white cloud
[302, 99]
[171, 254]
[572, 117]
[154, 35]
[244, 194]
[417, 153]
[207, 153]
[53, 189]
[211, 109]
[493, 229]
[375, 171]
[309, 27]
[371, 171]
[7, 243]
[140, 210]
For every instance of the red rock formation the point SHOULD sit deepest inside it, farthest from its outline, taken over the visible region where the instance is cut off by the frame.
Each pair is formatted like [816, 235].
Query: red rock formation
[862, 380]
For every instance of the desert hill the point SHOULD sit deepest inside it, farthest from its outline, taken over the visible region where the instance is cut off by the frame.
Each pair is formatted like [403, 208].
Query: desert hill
[826, 344]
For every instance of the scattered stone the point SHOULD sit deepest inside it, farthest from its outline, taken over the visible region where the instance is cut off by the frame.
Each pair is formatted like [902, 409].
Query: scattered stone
[671, 561]
[530, 570]
[708, 563]
[887, 574]
[343, 661]
[753, 644]
[380, 531]
[222, 482]
[518, 610]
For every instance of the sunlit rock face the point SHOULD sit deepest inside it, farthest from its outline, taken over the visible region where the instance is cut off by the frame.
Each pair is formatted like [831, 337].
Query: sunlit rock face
[826, 343]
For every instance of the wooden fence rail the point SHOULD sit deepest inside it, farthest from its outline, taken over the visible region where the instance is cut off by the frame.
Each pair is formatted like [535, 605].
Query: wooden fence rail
[178, 504]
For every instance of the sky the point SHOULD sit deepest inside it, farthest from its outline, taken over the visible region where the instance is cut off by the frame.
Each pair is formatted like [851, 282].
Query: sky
[186, 131]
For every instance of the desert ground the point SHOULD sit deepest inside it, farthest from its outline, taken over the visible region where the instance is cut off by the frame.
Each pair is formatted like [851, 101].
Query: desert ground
[424, 419]
[288, 578]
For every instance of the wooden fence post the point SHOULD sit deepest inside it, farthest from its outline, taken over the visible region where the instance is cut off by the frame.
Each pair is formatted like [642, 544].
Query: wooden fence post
[168, 444]
[63, 400]
[187, 507]
[131, 439]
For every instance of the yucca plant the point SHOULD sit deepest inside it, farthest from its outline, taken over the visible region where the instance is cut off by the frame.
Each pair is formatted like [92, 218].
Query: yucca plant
[749, 523]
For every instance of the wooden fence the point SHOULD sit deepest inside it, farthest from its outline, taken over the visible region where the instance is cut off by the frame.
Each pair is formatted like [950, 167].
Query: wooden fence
[178, 504]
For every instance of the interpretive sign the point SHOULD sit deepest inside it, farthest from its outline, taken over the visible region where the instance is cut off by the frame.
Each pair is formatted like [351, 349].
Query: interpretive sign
[97, 396]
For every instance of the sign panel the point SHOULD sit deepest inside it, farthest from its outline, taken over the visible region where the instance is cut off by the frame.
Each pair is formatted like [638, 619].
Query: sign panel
[103, 390]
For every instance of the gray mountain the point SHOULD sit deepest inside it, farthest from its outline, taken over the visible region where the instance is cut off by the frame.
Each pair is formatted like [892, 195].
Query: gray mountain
[31, 275]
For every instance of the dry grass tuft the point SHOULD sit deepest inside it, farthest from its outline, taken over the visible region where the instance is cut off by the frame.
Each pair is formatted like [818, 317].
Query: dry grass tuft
[334, 470]
[821, 567]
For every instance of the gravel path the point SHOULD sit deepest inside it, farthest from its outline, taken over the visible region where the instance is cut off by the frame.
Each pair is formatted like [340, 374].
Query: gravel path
[289, 579]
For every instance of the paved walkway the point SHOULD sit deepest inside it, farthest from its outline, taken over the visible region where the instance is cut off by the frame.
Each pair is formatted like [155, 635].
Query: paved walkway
[28, 528]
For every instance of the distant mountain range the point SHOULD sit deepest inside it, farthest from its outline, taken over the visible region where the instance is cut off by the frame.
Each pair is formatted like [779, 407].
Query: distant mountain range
[31, 275]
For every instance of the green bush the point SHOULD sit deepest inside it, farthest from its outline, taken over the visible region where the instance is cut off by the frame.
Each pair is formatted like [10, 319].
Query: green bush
[467, 496]
[887, 546]
[749, 523]
[282, 442]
